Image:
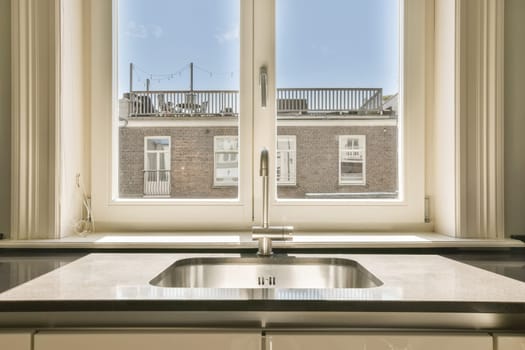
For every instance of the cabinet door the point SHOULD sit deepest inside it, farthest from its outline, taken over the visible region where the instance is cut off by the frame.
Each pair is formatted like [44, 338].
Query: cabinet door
[376, 341]
[145, 340]
[509, 342]
[15, 341]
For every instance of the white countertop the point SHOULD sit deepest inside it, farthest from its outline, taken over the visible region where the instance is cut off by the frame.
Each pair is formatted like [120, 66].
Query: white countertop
[405, 277]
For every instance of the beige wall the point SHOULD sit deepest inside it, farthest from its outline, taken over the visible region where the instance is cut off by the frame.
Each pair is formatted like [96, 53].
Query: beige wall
[514, 117]
[5, 114]
[74, 131]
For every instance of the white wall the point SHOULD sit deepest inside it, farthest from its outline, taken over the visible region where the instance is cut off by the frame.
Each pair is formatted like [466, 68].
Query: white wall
[442, 138]
[74, 123]
[514, 117]
[5, 114]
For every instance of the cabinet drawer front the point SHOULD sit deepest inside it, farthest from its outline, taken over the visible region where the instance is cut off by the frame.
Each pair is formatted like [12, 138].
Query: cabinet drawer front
[509, 342]
[144, 340]
[15, 340]
[376, 341]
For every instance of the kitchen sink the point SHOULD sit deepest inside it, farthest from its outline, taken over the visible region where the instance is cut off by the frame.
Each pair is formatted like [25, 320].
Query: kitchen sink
[266, 272]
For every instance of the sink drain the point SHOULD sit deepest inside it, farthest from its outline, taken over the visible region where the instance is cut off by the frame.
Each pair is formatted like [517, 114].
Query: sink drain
[266, 281]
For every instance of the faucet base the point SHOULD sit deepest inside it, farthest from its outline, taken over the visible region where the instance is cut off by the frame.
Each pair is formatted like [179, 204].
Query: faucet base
[265, 247]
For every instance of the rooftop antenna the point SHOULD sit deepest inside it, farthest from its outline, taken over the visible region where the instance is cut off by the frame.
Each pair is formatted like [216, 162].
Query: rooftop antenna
[131, 77]
[191, 76]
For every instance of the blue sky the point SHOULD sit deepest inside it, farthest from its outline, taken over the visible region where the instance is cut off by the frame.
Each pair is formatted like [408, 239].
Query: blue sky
[320, 43]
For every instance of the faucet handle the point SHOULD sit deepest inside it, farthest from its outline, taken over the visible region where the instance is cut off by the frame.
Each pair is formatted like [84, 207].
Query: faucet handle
[276, 233]
[265, 236]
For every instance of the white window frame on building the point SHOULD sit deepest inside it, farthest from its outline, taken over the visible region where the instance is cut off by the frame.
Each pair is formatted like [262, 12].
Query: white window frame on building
[286, 160]
[158, 183]
[352, 150]
[223, 157]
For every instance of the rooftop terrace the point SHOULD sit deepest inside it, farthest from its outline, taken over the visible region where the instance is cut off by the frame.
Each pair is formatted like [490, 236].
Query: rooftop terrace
[290, 102]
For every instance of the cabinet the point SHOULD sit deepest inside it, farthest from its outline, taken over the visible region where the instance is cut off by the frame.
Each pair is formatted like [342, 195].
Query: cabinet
[150, 340]
[509, 342]
[376, 341]
[15, 340]
[252, 340]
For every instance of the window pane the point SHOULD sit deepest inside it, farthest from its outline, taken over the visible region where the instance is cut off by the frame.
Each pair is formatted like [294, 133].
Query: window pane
[178, 87]
[157, 144]
[151, 161]
[337, 75]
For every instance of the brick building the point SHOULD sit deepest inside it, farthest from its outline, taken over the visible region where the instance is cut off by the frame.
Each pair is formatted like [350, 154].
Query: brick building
[172, 146]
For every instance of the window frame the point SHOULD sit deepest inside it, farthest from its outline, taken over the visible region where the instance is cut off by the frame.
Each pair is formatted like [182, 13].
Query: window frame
[373, 214]
[361, 140]
[406, 213]
[231, 183]
[293, 153]
[115, 214]
[157, 152]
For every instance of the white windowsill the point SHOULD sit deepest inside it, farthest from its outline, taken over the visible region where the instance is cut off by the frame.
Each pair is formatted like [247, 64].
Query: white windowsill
[217, 240]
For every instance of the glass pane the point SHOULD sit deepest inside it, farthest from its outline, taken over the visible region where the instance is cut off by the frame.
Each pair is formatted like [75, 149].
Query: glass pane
[285, 143]
[337, 75]
[285, 160]
[178, 79]
[163, 161]
[151, 161]
[227, 168]
[158, 144]
[351, 172]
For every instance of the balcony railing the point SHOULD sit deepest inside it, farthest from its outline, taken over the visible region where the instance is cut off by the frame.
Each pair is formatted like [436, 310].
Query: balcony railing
[157, 183]
[322, 100]
[160, 103]
[226, 102]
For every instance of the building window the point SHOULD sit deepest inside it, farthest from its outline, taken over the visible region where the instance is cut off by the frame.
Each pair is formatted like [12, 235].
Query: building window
[352, 160]
[157, 166]
[285, 166]
[226, 167]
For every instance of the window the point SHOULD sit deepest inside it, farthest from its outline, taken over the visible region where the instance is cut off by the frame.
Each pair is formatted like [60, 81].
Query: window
[285, 167]
[315, 92]
[226, 150]
[157, 167]
[186, 86]
[324, 89]
[352, 160]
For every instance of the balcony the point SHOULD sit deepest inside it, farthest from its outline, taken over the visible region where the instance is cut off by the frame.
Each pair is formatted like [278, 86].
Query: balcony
[291, 102]
[157, 183]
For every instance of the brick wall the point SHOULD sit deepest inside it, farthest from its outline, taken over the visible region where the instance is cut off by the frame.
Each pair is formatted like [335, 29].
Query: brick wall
[317, 160]
[191, 161]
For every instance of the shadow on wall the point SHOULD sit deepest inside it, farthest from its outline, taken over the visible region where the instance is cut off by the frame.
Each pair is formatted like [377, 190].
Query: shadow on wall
[514, 121]
[5, 115]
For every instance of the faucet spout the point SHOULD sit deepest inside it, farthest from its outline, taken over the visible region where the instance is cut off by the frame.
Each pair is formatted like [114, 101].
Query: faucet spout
[264, 169]
[266, 233]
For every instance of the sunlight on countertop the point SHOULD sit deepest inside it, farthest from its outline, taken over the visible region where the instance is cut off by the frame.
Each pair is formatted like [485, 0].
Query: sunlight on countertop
[243, 240]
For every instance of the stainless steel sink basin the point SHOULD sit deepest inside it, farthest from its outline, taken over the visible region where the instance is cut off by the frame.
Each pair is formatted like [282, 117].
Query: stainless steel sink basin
[266, 272]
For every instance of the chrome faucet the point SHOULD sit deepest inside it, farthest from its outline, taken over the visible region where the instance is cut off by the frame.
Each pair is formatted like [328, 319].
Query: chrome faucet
[266, 233]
